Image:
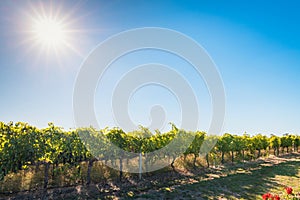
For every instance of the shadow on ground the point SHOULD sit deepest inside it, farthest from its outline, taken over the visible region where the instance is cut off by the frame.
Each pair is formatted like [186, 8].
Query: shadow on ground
[244, 183]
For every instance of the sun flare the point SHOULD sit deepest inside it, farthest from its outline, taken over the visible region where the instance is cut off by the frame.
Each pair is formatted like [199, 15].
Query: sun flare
[49, 32]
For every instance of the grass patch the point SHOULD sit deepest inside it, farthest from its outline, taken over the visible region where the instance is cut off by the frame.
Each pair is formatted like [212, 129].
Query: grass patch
[248, 182]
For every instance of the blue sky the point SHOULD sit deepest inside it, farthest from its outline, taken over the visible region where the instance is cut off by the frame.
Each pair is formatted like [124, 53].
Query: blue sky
[256, 47]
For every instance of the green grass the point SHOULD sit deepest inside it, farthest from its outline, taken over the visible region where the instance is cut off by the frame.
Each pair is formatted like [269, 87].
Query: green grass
[248, 182]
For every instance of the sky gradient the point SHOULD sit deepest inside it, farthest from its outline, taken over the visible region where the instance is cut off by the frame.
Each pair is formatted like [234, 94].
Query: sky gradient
[256, 47]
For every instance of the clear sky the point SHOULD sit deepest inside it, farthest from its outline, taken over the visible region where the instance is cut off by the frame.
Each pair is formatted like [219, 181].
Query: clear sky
[255, 45]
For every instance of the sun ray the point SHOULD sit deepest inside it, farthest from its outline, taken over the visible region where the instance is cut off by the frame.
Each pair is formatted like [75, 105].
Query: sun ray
[51, 33]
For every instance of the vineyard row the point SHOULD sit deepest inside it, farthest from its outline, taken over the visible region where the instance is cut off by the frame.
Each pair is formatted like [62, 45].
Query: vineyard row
[24, 145]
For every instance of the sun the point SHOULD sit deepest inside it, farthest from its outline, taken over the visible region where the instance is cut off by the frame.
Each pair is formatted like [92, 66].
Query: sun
[49, 32]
